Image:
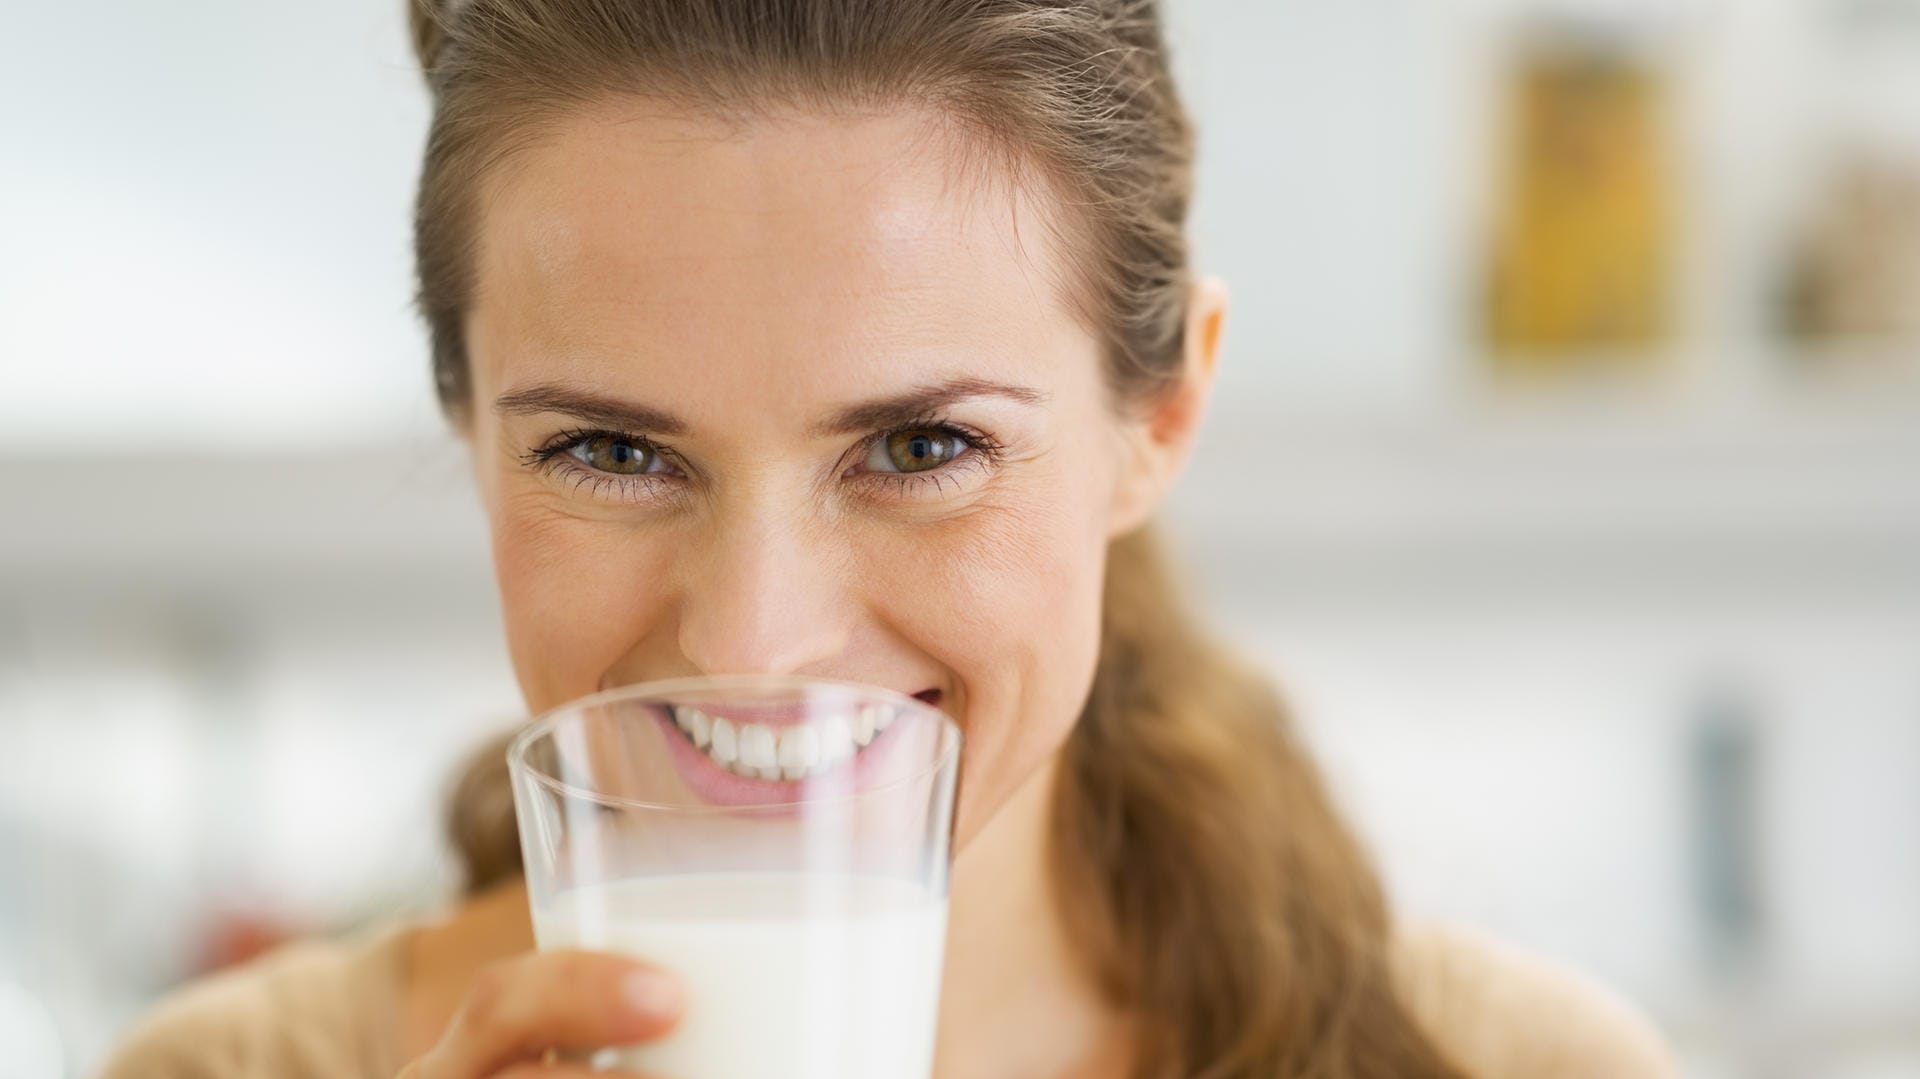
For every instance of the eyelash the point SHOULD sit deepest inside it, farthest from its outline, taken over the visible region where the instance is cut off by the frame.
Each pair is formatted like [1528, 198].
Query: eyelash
[553, 457]
[981, 449]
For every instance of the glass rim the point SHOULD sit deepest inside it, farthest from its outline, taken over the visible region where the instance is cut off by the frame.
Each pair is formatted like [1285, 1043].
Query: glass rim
[545, 723]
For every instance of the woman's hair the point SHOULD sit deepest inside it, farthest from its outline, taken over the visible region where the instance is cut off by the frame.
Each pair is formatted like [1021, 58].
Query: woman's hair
[1217, 895]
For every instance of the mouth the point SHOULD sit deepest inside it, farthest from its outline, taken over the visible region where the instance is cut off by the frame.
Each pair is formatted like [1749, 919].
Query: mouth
[787, 745]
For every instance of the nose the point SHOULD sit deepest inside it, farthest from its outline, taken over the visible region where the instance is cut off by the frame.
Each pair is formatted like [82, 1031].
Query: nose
[763, 597]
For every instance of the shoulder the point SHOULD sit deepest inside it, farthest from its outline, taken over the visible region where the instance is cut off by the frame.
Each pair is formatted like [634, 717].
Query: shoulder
[305, 1009]
[1502, 1013]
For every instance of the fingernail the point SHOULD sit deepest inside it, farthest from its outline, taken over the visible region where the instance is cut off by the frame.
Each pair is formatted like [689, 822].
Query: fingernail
[652, 993]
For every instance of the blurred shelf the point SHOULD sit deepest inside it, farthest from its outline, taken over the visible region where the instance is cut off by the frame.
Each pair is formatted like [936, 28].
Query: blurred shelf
[242, 523]
[1552, 491]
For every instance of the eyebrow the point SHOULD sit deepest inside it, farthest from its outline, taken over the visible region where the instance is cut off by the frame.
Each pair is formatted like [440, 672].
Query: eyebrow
[902, 408]
[914, 405]
[589, 407]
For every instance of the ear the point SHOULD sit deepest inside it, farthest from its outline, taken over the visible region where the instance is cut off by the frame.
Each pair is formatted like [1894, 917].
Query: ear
[1160, 433]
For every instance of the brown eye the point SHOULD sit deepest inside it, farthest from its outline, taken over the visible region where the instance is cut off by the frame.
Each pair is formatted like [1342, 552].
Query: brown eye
[914, 451]
[615, 455]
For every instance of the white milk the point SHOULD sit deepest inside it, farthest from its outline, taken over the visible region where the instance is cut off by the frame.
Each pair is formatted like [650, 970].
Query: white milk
[788, 975]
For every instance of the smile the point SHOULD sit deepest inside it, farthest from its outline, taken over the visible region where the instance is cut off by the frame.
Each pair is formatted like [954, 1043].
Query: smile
[789, 751]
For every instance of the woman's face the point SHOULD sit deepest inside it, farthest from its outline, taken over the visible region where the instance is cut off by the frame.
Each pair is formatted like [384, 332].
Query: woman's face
[799, 397]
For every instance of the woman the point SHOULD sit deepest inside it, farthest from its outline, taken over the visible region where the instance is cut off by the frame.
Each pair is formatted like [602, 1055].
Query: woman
[856, 338]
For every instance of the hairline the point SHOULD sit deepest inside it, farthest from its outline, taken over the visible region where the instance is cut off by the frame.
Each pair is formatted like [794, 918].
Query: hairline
[985, 155]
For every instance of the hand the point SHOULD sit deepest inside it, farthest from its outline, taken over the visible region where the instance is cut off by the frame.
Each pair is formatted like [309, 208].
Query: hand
[519, 1009]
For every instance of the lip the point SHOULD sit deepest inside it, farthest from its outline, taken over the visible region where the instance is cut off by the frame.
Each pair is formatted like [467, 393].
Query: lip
[791, 715]
[870, 767]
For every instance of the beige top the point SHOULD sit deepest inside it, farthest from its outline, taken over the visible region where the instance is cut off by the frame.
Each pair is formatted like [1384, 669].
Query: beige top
[329, 1011]
[304, 1011]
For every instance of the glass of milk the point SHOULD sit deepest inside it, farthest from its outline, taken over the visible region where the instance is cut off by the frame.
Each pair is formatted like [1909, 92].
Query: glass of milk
[780, 843]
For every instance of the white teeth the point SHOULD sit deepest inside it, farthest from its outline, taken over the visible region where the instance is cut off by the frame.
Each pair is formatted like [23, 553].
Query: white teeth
[699, 726]
[799, 751]
[757, 747]
[725, 748]
[836, 740]
[760, 751]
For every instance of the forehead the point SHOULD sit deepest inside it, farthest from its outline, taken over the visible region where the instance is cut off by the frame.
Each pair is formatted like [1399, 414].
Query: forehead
[792, 253]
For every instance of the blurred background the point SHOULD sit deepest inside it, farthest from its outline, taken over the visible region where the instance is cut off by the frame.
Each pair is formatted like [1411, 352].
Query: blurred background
[1566, 470]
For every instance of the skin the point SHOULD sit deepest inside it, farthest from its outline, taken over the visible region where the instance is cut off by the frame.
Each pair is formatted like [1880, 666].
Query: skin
[754, 281]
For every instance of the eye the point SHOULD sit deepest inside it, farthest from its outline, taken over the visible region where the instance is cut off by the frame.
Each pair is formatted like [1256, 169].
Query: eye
[917, 450]
[620, 456]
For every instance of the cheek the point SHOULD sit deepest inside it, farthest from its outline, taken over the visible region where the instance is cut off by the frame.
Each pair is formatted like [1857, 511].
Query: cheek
[1007, 598]
[574, 596]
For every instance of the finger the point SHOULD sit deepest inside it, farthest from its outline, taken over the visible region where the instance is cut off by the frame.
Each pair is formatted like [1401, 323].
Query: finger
[558, 999]
[562, 1071]
[541, 1069]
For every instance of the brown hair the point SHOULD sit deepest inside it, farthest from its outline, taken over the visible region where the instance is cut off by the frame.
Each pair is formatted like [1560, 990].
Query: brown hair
[1220, 897]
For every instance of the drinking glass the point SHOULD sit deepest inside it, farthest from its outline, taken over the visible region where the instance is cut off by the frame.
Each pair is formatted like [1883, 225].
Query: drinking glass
[780, 843]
